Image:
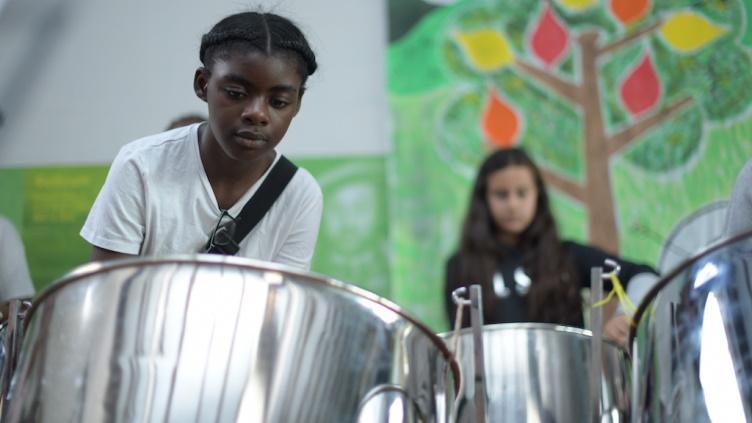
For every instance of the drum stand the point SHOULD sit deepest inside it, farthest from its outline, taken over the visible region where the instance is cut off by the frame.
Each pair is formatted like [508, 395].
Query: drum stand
[476, 324]
[596, 327]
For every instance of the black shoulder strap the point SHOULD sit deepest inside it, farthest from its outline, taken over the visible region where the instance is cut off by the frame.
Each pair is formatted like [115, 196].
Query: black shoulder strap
[262, 200]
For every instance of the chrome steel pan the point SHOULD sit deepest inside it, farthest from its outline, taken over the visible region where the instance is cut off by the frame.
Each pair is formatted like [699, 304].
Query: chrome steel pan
[212, 338]
[691, 347]
[540, 372]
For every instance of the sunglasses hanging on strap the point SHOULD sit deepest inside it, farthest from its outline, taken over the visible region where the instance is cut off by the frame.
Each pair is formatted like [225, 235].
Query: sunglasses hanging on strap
[225, 239]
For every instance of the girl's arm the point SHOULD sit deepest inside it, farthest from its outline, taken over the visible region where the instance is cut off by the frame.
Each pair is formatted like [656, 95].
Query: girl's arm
[101, 254]
[586, 257]
[116, 222]
[638, 279]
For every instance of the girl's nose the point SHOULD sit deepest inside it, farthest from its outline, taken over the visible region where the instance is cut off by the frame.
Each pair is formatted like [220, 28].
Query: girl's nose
[256, 112]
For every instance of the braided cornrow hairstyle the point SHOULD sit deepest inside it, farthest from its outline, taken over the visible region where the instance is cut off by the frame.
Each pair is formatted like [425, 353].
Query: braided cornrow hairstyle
[265, 32]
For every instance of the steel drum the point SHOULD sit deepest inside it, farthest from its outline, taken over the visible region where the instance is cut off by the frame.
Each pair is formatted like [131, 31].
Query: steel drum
[222, 339]
[12, 316]
[537, 372]
[691, 347]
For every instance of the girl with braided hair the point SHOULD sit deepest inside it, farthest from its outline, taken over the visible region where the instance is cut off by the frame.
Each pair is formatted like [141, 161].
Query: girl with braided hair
[176, 192]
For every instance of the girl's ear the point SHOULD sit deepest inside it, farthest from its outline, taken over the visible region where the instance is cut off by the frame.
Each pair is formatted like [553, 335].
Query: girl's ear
[200, 82]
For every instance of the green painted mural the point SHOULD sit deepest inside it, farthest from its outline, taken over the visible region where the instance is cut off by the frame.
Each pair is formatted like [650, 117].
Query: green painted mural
[637, 111]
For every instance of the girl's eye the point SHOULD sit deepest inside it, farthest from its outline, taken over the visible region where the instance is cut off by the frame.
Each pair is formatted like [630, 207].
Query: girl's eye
[234, 94]
[278, 103]
[522, 193]
[501, 195]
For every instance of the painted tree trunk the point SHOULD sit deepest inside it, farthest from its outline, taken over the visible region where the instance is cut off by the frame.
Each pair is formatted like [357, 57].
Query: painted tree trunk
[599, 200]
[595, 192]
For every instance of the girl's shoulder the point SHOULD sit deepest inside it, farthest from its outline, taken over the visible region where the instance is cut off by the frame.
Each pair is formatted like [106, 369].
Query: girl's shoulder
[574, 247]
[168, 144]
[302, 192]
[456, 263]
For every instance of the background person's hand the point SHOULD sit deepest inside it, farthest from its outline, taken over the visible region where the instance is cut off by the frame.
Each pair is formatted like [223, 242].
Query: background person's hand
[617, 329]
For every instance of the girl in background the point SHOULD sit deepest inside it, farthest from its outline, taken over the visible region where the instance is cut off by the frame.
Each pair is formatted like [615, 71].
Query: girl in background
[15, 281]
[510, 246]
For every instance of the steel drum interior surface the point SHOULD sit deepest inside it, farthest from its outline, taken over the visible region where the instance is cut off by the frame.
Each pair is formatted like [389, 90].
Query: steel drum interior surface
[223, 339]
[691, 347]
[538, 372]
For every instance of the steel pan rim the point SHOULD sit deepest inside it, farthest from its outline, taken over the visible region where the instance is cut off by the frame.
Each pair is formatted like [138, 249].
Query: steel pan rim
[548, 327]
[665, 280]
[94, 268]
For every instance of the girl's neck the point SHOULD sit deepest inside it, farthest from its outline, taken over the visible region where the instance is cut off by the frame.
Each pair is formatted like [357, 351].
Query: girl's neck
[230, 179]
[508, 239]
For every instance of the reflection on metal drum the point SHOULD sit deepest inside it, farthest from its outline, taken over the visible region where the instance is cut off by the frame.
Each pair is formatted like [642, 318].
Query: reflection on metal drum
[538, 372]
[691, 347]
[218, 339]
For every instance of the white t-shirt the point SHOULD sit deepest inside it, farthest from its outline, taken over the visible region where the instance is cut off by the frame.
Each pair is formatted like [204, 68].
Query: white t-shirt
[157, 201]
[15, 281]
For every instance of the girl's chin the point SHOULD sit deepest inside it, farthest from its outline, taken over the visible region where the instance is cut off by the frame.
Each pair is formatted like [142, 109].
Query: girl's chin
[513, 228]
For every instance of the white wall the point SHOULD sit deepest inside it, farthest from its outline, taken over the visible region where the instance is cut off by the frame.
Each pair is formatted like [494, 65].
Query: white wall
[104, 72]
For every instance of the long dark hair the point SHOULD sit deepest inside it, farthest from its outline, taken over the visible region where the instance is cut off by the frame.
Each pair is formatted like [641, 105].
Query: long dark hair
[553, 295]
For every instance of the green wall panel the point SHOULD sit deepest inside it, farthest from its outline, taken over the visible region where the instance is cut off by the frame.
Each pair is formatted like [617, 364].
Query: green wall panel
[49, 205]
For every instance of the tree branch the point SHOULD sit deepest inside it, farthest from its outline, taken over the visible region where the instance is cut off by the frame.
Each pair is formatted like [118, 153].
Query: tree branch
[629, 38]
[622, 138]
[564, 184]
[564, 88]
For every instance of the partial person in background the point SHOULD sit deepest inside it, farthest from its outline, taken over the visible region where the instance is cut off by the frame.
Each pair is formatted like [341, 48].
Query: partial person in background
[511, 247]
[193, 189]
[15, 281]
[739, 217]
[185, 120]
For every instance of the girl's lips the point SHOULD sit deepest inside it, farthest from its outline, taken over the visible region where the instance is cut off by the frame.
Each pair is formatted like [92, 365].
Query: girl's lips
[250, 140]
[249, 135]
[251, 143]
